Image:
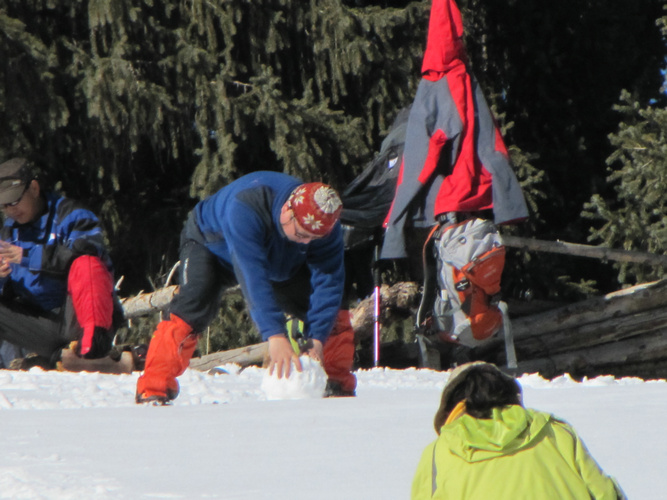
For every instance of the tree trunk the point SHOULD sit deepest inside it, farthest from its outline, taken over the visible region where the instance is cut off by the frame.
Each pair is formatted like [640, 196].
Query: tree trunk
[622, 333]
[641, 356]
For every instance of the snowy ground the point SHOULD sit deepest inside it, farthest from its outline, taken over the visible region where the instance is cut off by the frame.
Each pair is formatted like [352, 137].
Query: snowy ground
[80, 436]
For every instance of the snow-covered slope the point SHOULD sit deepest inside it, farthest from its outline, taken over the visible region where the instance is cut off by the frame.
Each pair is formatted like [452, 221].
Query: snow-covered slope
[80, 436]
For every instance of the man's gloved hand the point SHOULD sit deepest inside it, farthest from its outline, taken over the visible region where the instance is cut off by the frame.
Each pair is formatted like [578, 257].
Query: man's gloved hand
[315, 350]
[95, 342]
[302, 345]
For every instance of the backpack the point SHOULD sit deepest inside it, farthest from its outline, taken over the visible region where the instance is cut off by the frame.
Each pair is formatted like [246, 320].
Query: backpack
[368, 198]
[366, 202]
[461, 304]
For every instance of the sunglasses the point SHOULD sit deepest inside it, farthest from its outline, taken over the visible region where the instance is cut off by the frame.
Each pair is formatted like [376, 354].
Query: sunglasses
[14, 203]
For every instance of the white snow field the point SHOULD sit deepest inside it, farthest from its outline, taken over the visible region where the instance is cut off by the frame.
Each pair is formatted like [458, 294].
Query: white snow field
[81, 436]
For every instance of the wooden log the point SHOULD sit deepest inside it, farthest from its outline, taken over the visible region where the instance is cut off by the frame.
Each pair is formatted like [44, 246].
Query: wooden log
[70, 362]
[609, 358]
[622, 334]
[244, 356]
[613, 305]
[608, 329]
[144, 304]
[148, 303]
[624, 314]
[596, 252]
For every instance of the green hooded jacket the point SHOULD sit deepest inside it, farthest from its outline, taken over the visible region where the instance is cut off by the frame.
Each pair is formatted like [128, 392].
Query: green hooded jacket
[517, 454]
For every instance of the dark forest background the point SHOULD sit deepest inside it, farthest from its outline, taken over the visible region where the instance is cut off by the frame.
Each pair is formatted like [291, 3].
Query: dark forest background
[141, 108]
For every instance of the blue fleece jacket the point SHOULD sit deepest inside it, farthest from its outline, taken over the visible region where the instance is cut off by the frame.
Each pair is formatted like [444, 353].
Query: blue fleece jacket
[65, 231]
[241, 226]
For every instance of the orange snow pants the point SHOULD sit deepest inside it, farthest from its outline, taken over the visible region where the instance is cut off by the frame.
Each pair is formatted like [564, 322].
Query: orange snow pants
[169, 354]
[339, 352]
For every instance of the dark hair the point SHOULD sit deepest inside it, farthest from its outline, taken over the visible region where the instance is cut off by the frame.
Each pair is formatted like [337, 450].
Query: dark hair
[483, 388]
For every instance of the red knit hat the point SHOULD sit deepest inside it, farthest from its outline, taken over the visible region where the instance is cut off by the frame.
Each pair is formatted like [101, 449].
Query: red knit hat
[316, 207]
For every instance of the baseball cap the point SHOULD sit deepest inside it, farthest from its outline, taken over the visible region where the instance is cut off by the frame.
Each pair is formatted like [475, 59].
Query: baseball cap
[15, 174]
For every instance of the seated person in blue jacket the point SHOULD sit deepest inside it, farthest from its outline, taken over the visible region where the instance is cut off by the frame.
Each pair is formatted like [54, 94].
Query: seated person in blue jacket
[280, 239]
[56, 279]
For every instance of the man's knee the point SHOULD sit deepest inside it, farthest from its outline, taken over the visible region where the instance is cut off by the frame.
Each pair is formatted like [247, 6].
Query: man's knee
[90, 286]
[89, 271]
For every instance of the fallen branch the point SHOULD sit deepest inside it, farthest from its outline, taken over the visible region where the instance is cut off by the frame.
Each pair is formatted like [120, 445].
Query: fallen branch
[148, 303]
[596, 252]
[243, 356]
[152, 302]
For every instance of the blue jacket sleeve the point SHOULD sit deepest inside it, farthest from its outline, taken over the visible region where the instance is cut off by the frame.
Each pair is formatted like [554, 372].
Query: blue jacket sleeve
[77, 232]
[245, 233]
[327, 277]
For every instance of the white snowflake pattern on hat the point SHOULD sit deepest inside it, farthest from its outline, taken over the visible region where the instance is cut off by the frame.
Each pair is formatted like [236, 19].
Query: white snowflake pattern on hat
[297, 197]
[311, 221]
[327, 199]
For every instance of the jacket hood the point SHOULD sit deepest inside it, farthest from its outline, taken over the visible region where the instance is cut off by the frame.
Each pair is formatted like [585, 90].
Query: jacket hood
[444, 43]
[509, 430]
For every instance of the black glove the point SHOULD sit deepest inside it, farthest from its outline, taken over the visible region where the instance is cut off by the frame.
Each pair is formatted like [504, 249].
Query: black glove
[101, 344]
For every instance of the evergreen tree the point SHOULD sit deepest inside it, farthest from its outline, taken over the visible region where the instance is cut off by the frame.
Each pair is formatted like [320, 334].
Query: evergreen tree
[142, 107]
[636, 219]
[557, 69]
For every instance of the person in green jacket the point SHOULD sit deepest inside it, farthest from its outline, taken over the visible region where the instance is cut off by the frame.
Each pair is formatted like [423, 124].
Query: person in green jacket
[490, 446]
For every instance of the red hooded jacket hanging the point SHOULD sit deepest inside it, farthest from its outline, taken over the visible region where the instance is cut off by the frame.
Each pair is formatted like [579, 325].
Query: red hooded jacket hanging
[455, 159]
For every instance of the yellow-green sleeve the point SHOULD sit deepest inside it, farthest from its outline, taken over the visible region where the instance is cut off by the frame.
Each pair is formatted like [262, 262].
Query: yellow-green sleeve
[422, 484]
[600, 485]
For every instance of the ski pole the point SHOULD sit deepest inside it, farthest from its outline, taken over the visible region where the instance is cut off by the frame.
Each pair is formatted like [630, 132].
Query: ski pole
[509, 337]
[376, 308]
